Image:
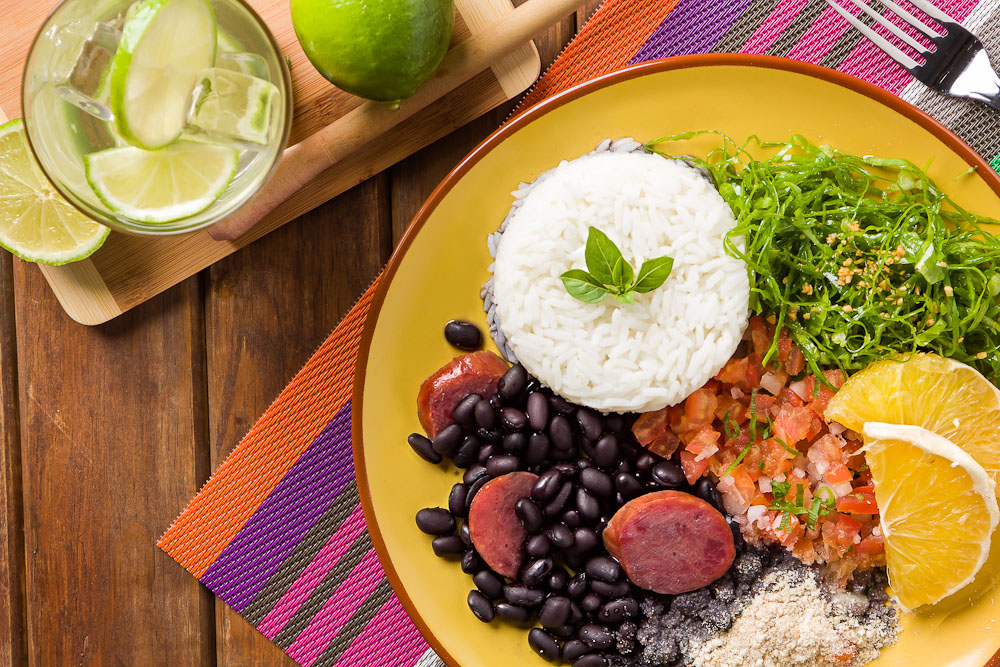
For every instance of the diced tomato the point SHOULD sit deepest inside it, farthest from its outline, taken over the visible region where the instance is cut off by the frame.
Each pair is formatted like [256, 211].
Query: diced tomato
[784, 346]
[764, 403]
[759, 338]
[651, 431]
[790, 397]
[796, 361]
[859, 501]
[693, 469]
[837, 473]
[777, 460]
[788, 535]
[678, 421]
[792, 423]
[870, 546]
[734, 371]
[828, 449]
[699, 408]
[743, 483]
[705, 443]
[842, 533]
[819, 398]
[755, 371]
[730, 409]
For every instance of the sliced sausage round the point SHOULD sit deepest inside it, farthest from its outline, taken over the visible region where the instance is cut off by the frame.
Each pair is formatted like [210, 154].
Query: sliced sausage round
[473, 373]
[497, 533]
[670, 542]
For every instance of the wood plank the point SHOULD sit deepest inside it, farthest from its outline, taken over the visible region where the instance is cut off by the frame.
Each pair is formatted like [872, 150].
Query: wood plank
[13, 641]
[109, 457]
[268, 309]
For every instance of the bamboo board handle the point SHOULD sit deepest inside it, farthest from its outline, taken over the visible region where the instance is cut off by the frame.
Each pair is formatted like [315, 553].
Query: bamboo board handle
[304, 161]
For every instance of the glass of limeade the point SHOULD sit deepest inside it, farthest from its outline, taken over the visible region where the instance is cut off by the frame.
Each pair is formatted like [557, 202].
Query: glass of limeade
[156, 116]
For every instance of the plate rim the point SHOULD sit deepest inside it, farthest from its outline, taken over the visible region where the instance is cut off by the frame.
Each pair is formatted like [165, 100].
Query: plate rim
[498, 136]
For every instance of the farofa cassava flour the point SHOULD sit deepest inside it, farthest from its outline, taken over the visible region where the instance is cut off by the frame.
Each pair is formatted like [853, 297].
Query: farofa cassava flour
[790, 623]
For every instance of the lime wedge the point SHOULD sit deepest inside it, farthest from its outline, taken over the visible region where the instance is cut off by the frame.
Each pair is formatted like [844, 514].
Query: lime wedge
[161, 186]
[36, 223]
[163, 46]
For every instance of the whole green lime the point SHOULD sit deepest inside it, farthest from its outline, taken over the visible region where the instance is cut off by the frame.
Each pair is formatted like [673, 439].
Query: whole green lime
[378, 49]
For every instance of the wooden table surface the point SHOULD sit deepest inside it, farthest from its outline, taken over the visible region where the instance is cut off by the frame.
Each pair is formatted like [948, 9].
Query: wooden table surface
[109, 431]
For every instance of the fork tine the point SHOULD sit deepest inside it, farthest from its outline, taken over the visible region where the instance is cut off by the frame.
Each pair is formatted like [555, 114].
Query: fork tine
[894, 29]
[932, 11]
[893, 52]
[911, 19]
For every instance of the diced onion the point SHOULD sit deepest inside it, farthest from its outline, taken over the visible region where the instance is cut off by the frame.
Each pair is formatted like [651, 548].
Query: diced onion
[799, 388]
[772, 383]
[836, 428]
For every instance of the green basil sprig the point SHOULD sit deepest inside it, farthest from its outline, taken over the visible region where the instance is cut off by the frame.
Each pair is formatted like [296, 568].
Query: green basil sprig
[608, 272]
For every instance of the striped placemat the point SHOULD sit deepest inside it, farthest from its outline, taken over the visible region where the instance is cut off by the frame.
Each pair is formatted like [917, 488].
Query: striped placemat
[278, 532]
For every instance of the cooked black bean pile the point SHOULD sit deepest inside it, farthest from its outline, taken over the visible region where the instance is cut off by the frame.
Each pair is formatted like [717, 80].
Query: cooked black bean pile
[589, 465]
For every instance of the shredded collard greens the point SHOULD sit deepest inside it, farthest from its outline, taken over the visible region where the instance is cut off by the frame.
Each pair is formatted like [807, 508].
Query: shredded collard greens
[859, 258]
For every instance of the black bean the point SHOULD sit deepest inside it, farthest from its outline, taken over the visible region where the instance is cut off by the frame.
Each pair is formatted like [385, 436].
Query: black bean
[562, 454]
[464, 410]
[473, 473]
[512, 613]
[577, 585]
[597, 482]
[467, 452]
[423, 447]
[563, 631]
[435, 521]
[645, 461]
[588, 506]
[574, 648]
[538, 449]
[537, 546]
[571, 518]
[615, 590]
[627, 485]
[532, 385]
[573, 560]
[556, 505]
[543, 644]
[623, 467]
[558, 579]
[547, 485]
[591, 602]
[592, 660]
[561, 405]
[447, 545]
[560, 433]
[480, 606]
[575, 614]
[584, 463]
[463, 335]
[514, 442]
[471, 562]
[619, 499]
[523, 596]
[614, 612]
[489, 582]
[705, 489]
[568, 470]
[530, 515]
[604, 568]
[606, 451]
[589, 422]
[456, 500]
[513, 419]
[512, 382]
[737, 535]
[595, 636]
[473, 490]
[560, 536]
[555, 611]
[538, 411]
[584, 539]
[668, 475]
[587, 447]
[502, 464]
[491, 435]
[614, 423]
[485, 414]
[488, 450]
[447, 439]
[495, 401]
[536, 572]
[464, 534]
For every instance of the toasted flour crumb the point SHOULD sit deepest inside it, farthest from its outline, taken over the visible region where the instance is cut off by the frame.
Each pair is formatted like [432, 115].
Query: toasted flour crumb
[791, 622]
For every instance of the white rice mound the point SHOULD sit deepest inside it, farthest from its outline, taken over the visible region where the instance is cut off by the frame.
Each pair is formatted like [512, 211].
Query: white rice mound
[610, 356]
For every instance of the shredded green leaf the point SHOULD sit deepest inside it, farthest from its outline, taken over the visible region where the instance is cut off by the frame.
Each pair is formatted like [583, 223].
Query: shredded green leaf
[860, 258]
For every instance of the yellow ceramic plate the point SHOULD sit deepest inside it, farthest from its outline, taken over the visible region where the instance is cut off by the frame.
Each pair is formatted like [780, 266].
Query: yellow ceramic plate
[435, 275]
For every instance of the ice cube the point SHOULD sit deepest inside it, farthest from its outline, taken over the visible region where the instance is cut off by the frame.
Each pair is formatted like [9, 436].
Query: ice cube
[250, 64]
[232, 105]
[81, 75]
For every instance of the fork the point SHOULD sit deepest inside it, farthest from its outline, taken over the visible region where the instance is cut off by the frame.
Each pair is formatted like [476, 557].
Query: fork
[958, 65]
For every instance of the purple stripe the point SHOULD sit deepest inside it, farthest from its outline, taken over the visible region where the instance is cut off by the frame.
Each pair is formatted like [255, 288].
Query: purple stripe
[283, 519]
[693, 26]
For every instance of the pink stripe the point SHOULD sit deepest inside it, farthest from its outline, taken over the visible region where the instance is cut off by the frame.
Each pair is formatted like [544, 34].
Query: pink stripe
[302, 588]
[868, 62]
[371, 648]
[773, 25]
[820, 37]
[337, 610]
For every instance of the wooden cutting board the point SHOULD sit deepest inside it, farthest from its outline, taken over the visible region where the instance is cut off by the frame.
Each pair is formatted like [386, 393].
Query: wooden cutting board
[128, 270]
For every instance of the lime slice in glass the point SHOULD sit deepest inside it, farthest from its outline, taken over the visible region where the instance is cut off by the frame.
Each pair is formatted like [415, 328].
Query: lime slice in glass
[164, 44]
[164, 185]
[36, 223]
